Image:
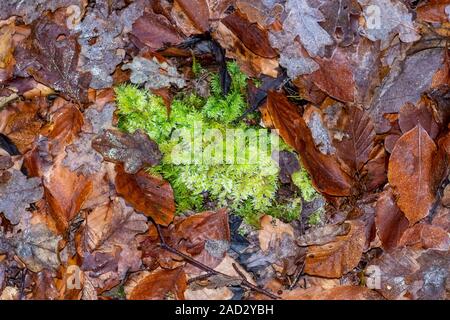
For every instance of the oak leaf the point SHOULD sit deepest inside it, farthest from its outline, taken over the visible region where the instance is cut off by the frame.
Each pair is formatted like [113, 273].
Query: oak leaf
[133, 150]
[17, 193]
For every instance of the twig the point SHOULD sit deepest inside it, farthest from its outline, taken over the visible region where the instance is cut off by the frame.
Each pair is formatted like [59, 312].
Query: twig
[210, 271]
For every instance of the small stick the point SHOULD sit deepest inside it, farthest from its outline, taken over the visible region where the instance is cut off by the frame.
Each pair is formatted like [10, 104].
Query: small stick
[209, 270]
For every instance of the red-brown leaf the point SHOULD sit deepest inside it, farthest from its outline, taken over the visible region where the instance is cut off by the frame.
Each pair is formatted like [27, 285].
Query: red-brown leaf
[147, 194]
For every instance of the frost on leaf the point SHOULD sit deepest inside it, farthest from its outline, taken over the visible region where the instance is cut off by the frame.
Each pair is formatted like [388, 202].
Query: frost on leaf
[133, 150]
[17, 193]
[302, 21]
[81, 157]
[51, 56]
[105, 26]
[386, 18]
[30, 10]
[153, 74]
[37, 247]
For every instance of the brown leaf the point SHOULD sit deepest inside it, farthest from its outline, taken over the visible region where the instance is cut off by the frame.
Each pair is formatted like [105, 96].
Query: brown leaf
[160, 284]
[340, 18]
[133, 150]
[390, 222]
[147, 194]
[155, 31]
[422, 114]
[411, 274]
[252, 36]
[65, 192]
[414, 173]
[51, 55]
[426, 236]
[327, 176]
[433, 11]
[197, 11]
[21, 122]
[205, 236]
[357, 142]
[402, 84]
[335, 76]
[334, 259]
[17, 193]
[66, 123]
[111, 228]
[338, 293]
[323, 235]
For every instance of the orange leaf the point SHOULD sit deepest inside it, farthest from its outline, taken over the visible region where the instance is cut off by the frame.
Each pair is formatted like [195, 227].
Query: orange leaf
[147, 194]
[160, 284]
[414, 172]
[334, 259]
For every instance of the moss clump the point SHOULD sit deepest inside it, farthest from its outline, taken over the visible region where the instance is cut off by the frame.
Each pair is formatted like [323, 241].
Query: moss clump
[247, 187]
[302, 180]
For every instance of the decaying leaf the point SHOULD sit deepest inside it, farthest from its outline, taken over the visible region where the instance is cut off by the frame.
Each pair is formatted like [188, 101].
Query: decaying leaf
[133, 150]
[17, 193]
[153, 74]
[323, 235]
[102, 32]
[334, 259]
[326, 174]
[37, 247]
[415, 169]
[390, 222]
[51, 56]
[160, 284]
[341, 20]
[31, 10]
[147, 194]
[405, 83]
[386, 18]
[81, 157]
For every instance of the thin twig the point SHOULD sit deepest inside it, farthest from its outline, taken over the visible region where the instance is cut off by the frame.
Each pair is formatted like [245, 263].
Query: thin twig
[210, 271]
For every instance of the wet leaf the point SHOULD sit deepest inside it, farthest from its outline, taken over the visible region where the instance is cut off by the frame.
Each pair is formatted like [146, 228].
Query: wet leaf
[147, 194]
[334, 259]
[390, 222]
[326, 174]
[415, 170]
[51, 56]
[160, 284]
[425, 236]
[133, 150]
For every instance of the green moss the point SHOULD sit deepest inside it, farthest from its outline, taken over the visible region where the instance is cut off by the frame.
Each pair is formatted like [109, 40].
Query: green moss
[316, 218]
[249, 189]
[302, 180]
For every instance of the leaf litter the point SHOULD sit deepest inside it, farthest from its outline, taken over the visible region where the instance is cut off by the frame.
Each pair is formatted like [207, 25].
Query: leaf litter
[360, 102]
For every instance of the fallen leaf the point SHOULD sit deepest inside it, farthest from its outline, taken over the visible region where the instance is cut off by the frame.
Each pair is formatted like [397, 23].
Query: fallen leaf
[160, 284]
[340, 18]
[338, 293]
[326, 174]
[405, 83]
[147, 194]
[422, 114]
[133, 150]
[334, 259]
[393, 18]
[51, 56]
[37, 247]
[155, 31]
[252, 36]
[414, 172]
[17, 193]
[426, 236]
[390, 222]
